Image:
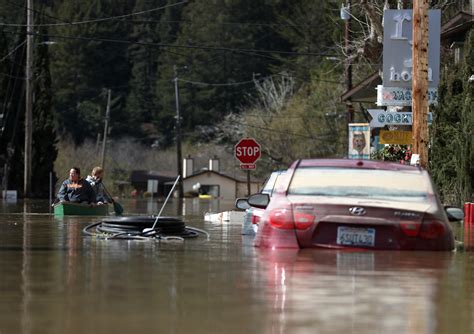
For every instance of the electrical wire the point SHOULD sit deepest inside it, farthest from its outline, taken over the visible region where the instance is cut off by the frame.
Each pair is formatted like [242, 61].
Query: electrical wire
[285, 132]
[12, 51]
[12, 76]
[257, 24]
[181, 46]
[75, 23]
[198, 83]
[34, 11]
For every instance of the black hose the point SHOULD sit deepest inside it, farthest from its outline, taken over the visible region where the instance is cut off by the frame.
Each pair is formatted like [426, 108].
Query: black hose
[133, 227]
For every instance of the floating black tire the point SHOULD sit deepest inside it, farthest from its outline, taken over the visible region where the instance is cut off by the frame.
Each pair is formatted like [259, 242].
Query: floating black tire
[132, 227]
[142, 222]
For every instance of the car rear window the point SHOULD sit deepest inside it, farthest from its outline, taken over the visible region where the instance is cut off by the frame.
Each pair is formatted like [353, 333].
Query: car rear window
[366, 183]
[273, 182]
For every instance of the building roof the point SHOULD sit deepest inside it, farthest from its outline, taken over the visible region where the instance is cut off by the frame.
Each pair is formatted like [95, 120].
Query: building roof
[456, 27]
[364, 91]
[144, 176]
[236, 179]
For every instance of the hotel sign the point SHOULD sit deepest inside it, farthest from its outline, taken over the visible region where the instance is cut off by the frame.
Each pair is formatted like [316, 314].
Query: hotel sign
[397, 48]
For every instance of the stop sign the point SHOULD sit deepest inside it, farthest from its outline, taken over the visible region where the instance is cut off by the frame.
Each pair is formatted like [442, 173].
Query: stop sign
[247, 151]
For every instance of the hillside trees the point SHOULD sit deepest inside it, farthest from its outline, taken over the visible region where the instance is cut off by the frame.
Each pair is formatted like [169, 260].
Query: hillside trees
[291, 124]
[44, 140]
[141, 104]
[83, 67]
[211, 83]
[311, 28]
[12, 108]
[12, 98]
[13, 46]
[452, 154]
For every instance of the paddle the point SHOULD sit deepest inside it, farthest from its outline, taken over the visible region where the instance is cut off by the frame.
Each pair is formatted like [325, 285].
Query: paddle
[117, 207]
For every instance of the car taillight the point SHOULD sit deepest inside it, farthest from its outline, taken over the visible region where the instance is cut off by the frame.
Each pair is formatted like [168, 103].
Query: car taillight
[255, 219]
[303, 220]
[410, 228]
[281, 218]
[431, 229]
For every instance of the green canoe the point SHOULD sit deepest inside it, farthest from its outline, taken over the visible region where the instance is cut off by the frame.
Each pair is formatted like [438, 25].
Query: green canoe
[76, 209]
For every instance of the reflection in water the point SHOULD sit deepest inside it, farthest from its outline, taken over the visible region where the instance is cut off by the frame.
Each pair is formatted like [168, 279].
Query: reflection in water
[55, 280]
[353, 292]
[469, 237]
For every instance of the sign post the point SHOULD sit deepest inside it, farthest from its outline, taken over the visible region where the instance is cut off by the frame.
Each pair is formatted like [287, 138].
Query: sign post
[247, 151]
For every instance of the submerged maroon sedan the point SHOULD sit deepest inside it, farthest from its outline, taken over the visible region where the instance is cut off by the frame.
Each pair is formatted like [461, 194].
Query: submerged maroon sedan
[340, 203]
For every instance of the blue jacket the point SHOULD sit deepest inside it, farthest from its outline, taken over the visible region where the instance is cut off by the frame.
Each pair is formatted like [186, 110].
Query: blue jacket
[80, 191]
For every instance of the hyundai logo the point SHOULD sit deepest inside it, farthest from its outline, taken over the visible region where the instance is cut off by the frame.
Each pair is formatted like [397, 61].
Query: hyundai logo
[357, 211]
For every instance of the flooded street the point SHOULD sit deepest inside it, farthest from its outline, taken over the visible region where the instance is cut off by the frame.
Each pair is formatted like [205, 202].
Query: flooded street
[53, 279]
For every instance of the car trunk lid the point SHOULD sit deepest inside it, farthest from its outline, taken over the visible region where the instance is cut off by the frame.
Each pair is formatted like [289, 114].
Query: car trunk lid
[360, 223]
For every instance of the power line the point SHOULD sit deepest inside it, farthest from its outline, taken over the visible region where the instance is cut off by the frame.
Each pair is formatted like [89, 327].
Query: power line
[34, 11]
[163, 45]
[12, 76]
[284, 132]
[183, 46]
[217, 84]
[94, 20]
[12, 51]
[200, 83]
[223, 23]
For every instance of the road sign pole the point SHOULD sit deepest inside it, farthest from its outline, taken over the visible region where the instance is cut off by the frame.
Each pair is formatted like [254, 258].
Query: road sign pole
[248, 182]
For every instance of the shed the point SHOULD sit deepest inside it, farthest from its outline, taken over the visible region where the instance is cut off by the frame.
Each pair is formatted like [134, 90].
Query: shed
[219, 185]
[139, 180]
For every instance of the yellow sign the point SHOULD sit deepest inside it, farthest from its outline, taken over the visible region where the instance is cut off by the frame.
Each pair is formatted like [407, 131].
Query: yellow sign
[395, 137]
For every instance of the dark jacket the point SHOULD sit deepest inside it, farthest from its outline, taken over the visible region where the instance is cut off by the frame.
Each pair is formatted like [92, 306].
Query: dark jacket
[99, 189]
[80, 191]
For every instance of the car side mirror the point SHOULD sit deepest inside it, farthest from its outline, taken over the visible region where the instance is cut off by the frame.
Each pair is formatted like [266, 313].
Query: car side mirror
[242, 204]
[454, 214]
[259, 200]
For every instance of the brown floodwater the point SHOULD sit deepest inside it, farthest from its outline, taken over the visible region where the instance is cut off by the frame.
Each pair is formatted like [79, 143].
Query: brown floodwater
[54, 279]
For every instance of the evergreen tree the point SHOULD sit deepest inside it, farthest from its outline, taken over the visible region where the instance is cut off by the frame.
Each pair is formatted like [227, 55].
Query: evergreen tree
[452, 154]
[231, 25]
[44, 151]
[309, 27]
[140, 106]
[12, 92]
[84, 68]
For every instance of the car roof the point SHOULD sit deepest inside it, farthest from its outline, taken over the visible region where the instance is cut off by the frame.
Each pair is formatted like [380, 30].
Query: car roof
[354, 163]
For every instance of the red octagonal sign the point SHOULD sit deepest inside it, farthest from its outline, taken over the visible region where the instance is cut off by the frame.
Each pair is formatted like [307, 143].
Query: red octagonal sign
[247, 151]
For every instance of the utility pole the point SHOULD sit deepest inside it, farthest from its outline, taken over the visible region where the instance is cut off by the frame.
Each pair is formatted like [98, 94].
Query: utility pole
[178, 134]
[106, 128]
[348, 66]
[28, 99]
[420, 80]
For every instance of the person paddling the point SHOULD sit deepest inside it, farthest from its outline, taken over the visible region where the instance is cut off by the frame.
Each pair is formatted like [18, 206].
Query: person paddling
[95, 180]
[75, 189]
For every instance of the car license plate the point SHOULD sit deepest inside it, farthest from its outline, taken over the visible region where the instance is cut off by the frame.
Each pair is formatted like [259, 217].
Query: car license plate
[355, 236]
